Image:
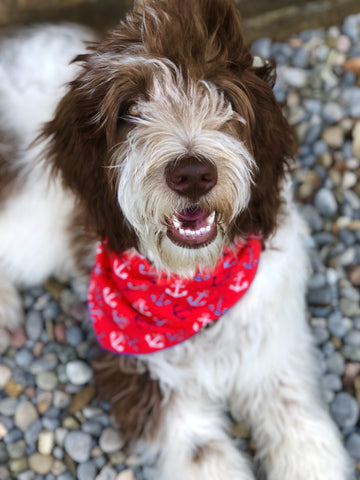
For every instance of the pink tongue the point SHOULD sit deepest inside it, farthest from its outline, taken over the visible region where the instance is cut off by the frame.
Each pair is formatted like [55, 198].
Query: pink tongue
[193, 216]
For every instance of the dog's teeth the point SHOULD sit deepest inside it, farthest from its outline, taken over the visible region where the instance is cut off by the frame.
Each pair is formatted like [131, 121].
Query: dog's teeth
[182, 231]
[211, 218]
[176, 222]
[188, 232]
[203, 230]
[208, 228]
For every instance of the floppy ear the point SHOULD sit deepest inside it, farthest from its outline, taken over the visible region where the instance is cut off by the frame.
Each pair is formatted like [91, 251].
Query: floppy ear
[78, 148]
[273, 146]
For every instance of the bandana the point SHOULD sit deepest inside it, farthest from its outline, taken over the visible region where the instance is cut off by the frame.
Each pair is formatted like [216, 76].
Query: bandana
[136, 309]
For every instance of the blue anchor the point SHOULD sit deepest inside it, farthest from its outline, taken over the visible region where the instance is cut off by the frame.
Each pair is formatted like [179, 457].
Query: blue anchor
[252, 263]
[198, 301]
[160, 302]
[230, 263]
[181, 312]
[218, 310]
[122, 322]
[158, 322]
[176, 336]
[200, 278]
[143, 271]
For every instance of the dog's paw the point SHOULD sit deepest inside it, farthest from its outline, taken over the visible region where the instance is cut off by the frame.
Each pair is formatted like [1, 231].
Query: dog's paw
[11, 311]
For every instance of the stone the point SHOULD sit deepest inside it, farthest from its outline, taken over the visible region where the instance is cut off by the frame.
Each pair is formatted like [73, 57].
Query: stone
[262, 47]
[293, 77]
[106, 473]
[78, 372]
[59, 468]
[353, 445]
[77, 445]
[41, 464]
[325, 202]
[110, 440]
[5, 375]
[345, 410]
[18, 338]
[14, 389]
[46, 442]
[332, 112]
[126, 475]
[333, 136]
[44, 400]
[34, 325]
[17, 449]
[354, 275]
[86, 471]
[47, 380]
[61, 399]
[82, 398]
[25, 416]
[18, 465]
[356, 140]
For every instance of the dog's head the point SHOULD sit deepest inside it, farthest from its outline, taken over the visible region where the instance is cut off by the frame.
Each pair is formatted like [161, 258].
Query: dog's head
[171, 137]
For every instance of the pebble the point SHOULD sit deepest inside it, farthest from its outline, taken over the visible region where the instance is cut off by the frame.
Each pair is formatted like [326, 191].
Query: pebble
[5, 375]
[47, 380]
[77, 445]
[34, 325]
[107, 473]
[126, 475]
[325, 202]
[86, 471]
[345, 410]
[25, 416]
[46, 442]
[78, 372]
[110, 440]
[41, 464]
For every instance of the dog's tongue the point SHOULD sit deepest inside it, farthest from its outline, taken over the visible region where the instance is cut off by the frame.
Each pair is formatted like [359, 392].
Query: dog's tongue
[192, 228]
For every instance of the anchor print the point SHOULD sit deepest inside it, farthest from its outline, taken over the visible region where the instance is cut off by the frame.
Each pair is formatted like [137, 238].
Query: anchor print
[239, 285]
[121, 321]
[155, 340]
[218, 310]
[252, 263]
[177, 291]
[201, 277]
[144, 271]
[230, 262]
[109, 297]
[175, 337]
[117, 340]
[198, 301]
[160, 302]
[141, 306]
[119, 269]
[202, 322]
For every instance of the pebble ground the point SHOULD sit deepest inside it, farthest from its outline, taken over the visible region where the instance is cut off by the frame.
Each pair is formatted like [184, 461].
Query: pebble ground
[52, 426]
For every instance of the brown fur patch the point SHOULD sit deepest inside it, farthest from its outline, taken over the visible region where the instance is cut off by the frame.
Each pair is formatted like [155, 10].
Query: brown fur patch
[204, 38]
[9, 170]
[137, 401]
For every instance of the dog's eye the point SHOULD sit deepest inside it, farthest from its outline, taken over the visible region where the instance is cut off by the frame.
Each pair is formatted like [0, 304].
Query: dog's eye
[134, 110]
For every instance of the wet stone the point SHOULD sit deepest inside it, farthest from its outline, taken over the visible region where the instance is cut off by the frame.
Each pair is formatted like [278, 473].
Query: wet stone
[345, 410]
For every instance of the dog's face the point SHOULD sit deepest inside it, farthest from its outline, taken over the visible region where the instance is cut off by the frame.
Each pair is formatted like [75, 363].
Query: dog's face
[171, 137]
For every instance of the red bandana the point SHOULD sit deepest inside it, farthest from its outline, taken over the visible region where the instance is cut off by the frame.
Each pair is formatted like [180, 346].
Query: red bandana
[136, 310]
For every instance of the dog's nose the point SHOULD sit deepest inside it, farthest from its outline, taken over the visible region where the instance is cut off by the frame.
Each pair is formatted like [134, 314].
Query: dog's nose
[191, 177]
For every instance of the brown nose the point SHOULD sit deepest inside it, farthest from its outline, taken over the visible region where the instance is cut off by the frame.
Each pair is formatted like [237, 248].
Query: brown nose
[191, 177]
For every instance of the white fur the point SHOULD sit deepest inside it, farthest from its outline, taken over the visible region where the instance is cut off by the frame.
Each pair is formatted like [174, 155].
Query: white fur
[35, 241]
[258, 359]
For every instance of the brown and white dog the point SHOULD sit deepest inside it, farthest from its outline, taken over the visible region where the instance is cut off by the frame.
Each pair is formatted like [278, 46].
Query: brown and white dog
[168, 140]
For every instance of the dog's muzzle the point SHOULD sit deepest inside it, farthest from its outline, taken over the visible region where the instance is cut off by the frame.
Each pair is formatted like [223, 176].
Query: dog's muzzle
[192, 178]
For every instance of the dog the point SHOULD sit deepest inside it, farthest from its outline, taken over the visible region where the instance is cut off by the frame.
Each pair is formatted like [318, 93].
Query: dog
[167, 145]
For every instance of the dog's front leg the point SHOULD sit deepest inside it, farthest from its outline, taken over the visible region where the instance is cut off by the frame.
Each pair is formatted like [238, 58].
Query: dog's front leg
[294, 434]
[194, 445]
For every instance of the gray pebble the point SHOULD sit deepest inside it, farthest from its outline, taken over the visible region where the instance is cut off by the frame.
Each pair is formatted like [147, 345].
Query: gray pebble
[34, 325]
[86, 471]
[107, 473]
[47, 380]
[331, 382]
[338, 325]
[332, 112]
[78, 372]
[262, 47]
[24, 358]
[77, 445]
[74, 335]
[345, 410]
[66, 476]
[336, 364]
[325, 202]
[8, 406]
[353, 445]
[32, 433]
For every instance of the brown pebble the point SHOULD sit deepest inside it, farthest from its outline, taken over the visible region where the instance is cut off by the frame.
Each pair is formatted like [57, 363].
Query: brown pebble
[353, 65]
[18, 338]
[354, 275]
[14, 389]
[352, 370]
[30, 392]
[82, 398]
[60, 332]
[44, 401]
[38, 349]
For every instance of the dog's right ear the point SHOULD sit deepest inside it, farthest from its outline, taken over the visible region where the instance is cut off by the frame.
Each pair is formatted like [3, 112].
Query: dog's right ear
[77, 149]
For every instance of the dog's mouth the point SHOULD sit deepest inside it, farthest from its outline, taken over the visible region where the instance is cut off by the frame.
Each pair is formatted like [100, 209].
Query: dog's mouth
[192, 228]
